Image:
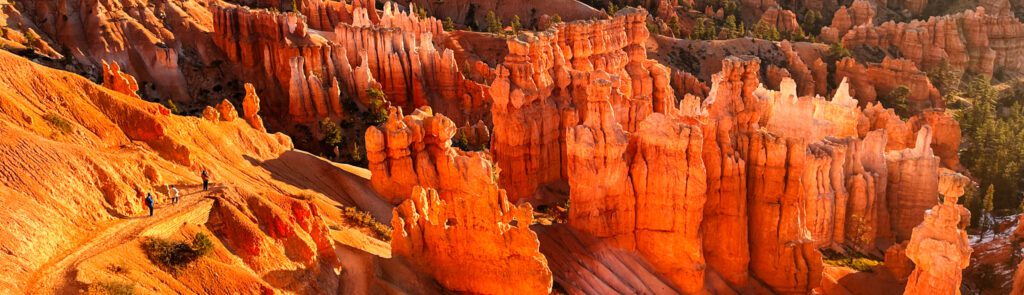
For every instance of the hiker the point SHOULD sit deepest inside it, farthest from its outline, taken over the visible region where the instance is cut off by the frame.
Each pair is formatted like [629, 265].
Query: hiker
[175, 195]
[206, 180]
[149, 203]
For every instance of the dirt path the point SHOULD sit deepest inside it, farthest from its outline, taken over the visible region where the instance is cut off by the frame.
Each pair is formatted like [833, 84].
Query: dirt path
[57, 276]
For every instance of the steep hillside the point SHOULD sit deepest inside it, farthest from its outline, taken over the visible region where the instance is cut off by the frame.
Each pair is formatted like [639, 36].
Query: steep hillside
[76, 160]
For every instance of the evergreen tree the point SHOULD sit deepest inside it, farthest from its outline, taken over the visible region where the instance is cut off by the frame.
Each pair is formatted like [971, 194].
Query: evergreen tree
[494, 24]
[811, 22]
[897, 100]
[378, 106]
[516, 24]
[673, 26]
[766, 31]
[704, 29]
[332, 133]
[987, 203]
[735, 30]
[448, 24]
[991, 148]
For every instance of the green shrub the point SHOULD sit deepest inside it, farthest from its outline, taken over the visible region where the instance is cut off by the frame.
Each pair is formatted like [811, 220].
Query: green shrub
[172, 107]
[359, 218]
[704, 29]
[117, 288]
[62, 125]
[897, 100]
[494, 24]
[378, 108]
[175, 255]
[858, 263]
[766, 31]
[448, 24]
[837, 51]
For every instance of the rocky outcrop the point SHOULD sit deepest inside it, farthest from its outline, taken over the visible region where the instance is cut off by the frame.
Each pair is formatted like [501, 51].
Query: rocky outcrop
[783, 20]
[227, 111]
[455, 224]
[410, 151]
[913, 184]
[477, 243]
[474, 12]
[251, 108]
[860, 12]
[307, 73]
[946, 135]
[872, 82]
[938, 246]
[732, 109]
[147, 40]
[546, 73]
[971, 41]
[897, 262]
[118, 81]
[619, 182]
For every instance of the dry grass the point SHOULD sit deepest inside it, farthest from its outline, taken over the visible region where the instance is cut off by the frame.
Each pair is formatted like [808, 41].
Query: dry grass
[62, 125]
[359, 218]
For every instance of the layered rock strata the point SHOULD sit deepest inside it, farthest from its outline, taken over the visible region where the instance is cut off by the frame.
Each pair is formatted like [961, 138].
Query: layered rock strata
[455, 223]
[938, 247]
[970, 41]
[621, 183]
[544, 75]
[872, 82]
[307, 72]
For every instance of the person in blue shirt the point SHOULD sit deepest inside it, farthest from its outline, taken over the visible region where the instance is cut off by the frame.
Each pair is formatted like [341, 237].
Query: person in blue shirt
[149, 203]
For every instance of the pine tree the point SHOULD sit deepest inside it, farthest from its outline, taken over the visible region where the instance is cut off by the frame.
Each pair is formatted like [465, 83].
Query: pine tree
[673, 26]
[494, 23]
[766, 31]
[448, 24]
[987, 204]
[516, 24]
[735, 31]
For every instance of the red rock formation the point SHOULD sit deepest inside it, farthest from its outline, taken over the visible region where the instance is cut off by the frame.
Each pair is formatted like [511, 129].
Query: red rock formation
[477, 243]
[946, 139]
[468, 12]
[897, 262]
[861, 12]
[970, 40]
[686, 83]
[782, 252]
[460, 229]
[410, 151]
[1018, 280]
[783, 19]
[913, 184]
[873, 81]
[211, 114]
[544, 74]
[621, 183]
[114, 79]
[146, 40]
[939, 248]
[307, 72]
[732, 109]
[251, 108]
[227, 111]
[867, 215]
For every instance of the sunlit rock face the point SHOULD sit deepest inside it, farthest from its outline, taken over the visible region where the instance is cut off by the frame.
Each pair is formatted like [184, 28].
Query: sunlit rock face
[455, 223]
[938, 246]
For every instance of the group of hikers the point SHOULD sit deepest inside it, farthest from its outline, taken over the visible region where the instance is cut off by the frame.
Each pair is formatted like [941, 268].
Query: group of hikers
[174, 193]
